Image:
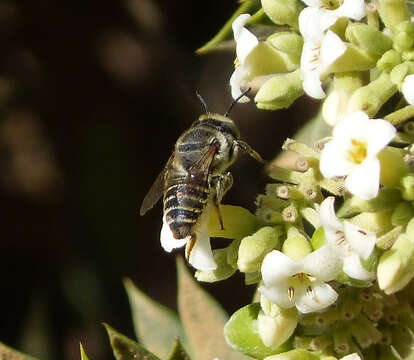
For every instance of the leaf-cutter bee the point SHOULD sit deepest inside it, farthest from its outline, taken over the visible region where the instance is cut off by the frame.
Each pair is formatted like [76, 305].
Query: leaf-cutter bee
[194, 180]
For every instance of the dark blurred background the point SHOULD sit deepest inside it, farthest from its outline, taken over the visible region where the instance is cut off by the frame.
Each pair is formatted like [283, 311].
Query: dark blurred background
[93, 95]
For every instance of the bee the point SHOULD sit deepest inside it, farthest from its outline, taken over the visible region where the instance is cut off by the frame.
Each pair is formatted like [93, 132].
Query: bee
[195, 175]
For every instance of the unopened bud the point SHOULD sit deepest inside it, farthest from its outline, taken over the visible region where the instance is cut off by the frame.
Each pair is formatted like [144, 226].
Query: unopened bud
[389, 60]
[296, 246]
[369, 38]
[283, 12]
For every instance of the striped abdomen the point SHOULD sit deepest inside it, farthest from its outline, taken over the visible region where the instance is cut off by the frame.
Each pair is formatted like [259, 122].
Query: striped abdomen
[183, 204]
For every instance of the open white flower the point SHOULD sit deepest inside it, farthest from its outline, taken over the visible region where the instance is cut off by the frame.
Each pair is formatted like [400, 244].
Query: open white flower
[289, 283]
[245, 43]
[408, 88]
[353, 151]
[199, 254]
[348, 241]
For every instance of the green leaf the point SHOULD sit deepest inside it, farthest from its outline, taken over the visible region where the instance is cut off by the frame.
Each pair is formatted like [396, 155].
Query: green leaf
[7, 353]
[127, 349]
[178, 352]
[203, 319]
[156, 326]
[83, 353]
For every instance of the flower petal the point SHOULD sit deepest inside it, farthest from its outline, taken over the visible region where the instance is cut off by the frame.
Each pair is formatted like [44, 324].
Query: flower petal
[312, 85]
[313, 22]
[362, 241]
[236, 81]
[363, 181]
[324, 263]
[384, 133]
[321, 296]
[354, 269]
[328, 219]
[277, 267]
[168, 241]
[334, 161]
[332, 47]
[245, 40]
[350, 126]
[354, 9]
[267, 328]
[407, 88]
[278, 295]
[353, 356]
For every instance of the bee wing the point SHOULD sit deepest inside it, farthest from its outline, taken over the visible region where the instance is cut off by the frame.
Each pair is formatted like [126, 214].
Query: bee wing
[201, 167]
[156, 190]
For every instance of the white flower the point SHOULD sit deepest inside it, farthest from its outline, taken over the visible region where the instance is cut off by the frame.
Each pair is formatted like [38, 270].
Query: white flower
[353, 151]
[408, 88]
[348, 241]
[199, 254]
[245, 43]
[289, 283]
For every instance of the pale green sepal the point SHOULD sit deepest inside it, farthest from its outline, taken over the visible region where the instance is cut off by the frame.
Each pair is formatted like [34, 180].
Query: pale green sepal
[296, 245]
[125, 348]
[378, 222]
[155, 326]
[280, 91]
[386, 241]
[389, 60]
[178, 352]
[233, 253]
[200, 314]
[296, 354]
[393, 166]
[354, 59]
[254, 248]
[241, 333]
[252, 277]
[400, 71]
[371, 97]
[393, 12]
[311, 216]
[283, 12]
[318, 238]
[407, 187]
[246, 6]
[346, 280]
[83, 353]
[223, 271]
[386, 199]
[238, 222]
[368, 38]
[9, 353]
[289, 43]
[402, 214]
[404, 36]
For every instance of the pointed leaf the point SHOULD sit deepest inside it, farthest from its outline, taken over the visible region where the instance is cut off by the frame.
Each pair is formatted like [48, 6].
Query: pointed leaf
[203, 319]
[156, 326]
[83, 353]
[127, 349]
[7, 353]
[178, 352]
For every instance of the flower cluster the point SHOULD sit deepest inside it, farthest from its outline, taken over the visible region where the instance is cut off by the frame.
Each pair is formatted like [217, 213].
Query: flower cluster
[331, 245]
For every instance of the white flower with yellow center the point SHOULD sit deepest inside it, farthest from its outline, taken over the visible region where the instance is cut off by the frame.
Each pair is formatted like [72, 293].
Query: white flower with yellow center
[245, 43]
[289, 283]
[346, 240]
[353, 151]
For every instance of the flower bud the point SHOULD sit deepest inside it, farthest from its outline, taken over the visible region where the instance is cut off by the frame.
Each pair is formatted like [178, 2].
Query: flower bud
[254, 248]
[283, 12]
[296, 246]
[371, 97]
[288, 43]
[393, 166]
[404, 36]
[223, 271]
[407, 187]
[393, 12]
[280, 91]
[402, 214]
[378, 222]
[389, 60]
[354, 59]
[399, 72]
[368, 38]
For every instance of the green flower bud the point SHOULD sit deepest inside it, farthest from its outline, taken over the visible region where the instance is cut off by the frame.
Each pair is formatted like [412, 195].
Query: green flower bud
[407, 187]
[241, 333]
[296, 354]
[280, 91]
[354, 59]
[254, 248]
[368, 38]
[371, 97]
[342, 341]
[238, 222]
[232, 253]
[393, 12]
[289, 43]
[395, 268]
[296, 246]
[224, 269]
[407, 55]
[252, 278]
[378, 222]
[393, 166]
[283, 12]
[389, 60]
[410, 228]
[402, 214]
[399, 72]
[404, 36]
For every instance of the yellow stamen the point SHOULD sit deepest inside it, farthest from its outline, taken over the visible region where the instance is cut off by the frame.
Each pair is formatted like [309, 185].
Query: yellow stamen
[358, 153]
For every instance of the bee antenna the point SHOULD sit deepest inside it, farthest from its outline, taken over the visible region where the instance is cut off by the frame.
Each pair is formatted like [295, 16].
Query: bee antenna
[202, 101]
[235, 101]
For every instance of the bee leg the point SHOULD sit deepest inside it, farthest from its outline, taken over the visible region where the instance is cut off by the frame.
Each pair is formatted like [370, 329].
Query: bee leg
[248, 150]
[190, 245]
[221, 184]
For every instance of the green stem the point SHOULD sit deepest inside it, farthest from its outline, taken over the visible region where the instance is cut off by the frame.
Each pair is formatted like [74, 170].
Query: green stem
[398, 117]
